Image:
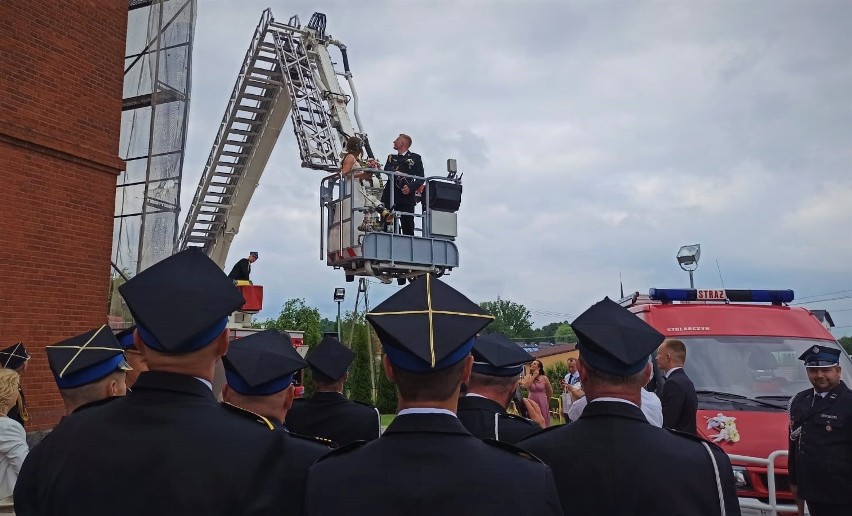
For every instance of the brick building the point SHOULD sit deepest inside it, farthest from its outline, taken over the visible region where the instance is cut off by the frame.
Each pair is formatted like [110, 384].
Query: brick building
[61, 74]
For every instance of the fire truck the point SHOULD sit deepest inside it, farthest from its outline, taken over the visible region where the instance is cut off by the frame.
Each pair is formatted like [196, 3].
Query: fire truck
[742, 355]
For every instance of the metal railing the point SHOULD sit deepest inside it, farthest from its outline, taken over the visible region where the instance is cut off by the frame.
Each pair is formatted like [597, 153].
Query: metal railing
[773, 507]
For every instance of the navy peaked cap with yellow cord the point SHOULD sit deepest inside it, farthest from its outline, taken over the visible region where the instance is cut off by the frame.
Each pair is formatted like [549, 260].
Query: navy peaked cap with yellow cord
[182, 303]
[427, 325]
[86, 358]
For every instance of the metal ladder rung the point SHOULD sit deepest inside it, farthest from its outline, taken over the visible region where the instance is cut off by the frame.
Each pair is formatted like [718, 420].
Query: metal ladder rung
[249, 121]
[252, 109]
[210, 204]
[235, 154]
[226, 175]
[243, 132]
[252, 81]
[269, 72]
[252, 96]
[231, 165]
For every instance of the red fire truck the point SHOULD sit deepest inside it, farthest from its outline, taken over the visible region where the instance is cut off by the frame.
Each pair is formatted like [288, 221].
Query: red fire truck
[742, 354]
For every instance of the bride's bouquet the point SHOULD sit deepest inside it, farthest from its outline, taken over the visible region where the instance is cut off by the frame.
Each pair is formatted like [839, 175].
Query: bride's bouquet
[374, 164]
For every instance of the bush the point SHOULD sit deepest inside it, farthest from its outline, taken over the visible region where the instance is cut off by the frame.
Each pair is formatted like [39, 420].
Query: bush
[359, 385]
[556, 374]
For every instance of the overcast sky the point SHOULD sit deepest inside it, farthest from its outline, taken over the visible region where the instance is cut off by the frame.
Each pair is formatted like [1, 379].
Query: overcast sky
[595, 138]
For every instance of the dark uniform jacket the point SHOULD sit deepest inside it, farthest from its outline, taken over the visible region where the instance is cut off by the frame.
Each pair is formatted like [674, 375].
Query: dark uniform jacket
[408, 163]
[820, 460]
[612, 462]
[679, 403]
[166, 448]
[427, 465]
[241, 270]
[486, 419]
[331, 416]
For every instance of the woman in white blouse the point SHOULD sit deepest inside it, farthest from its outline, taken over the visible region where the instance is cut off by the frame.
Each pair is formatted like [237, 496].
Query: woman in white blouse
[13, 441]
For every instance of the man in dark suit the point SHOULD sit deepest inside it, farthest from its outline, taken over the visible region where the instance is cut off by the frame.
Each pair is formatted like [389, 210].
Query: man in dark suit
[497, 363]
[820, 460]
[168, 447]
[405, 190]
[242, 269]
[680, 403]
[426, 461]
[88, 368]
[611, 460]
[328, 414]
[15, 357]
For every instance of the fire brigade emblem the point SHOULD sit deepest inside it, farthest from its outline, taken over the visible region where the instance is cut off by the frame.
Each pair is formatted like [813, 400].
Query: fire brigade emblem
[815, 350]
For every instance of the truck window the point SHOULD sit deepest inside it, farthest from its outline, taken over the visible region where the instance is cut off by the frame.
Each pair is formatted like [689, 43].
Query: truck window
[754, 367]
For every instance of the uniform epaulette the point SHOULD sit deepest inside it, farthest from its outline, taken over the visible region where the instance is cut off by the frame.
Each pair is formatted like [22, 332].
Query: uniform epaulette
[248, 414]
[548, 429]
[321, 440]
[343, 449]
[693, 437]
[511, 448]
[362, 403]
[517, 418]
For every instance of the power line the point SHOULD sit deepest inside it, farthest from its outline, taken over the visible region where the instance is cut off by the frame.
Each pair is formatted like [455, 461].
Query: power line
[822, 300]
[826, 294]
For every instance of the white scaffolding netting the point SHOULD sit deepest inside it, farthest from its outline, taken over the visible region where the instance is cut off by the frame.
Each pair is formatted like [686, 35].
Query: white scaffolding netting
[153, 137]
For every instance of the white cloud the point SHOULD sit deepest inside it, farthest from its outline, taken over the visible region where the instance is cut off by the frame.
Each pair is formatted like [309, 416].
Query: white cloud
[595, 138]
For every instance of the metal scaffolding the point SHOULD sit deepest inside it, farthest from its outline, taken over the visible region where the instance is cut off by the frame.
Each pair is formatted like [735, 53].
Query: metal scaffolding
[155, 113]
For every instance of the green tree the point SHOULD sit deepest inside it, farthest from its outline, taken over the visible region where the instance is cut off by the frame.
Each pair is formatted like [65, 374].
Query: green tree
[846, 343]
[548, 330]
[297, 316]
[328, 324]
[510, 318]
[355, 334]
[385, 394]
[564, 333]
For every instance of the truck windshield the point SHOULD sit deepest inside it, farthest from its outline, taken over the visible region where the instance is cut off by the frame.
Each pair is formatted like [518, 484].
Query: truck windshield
[764, 368]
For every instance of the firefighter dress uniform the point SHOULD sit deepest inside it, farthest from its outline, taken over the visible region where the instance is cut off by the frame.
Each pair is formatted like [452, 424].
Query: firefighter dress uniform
[168, 447]
[330, 415]
[820, 461]
[426, 462]
[496, 356]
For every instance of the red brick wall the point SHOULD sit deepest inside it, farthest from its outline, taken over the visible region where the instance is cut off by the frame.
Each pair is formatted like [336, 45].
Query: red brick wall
[61, 74]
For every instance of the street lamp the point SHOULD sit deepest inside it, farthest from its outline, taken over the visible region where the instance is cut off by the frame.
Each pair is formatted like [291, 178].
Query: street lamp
[687, 258]
[339, 294]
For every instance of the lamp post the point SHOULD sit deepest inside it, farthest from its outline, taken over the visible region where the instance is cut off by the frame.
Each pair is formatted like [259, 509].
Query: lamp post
[339, 294]
[687, 258]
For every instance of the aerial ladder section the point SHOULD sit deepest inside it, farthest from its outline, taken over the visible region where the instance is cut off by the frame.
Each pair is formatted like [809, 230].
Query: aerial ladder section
[288, 71]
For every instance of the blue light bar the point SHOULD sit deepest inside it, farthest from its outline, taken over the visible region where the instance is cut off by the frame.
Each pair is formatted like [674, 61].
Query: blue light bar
[668, 295]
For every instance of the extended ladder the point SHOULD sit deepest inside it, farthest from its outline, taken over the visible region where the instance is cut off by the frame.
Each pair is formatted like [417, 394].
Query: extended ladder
[257, 110]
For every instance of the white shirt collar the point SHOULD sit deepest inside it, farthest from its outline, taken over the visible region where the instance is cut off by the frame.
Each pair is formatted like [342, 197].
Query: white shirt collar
[620, 400]
[673, 369]
[205, 382]
[820, 394]
[419, 410]
[474, 395]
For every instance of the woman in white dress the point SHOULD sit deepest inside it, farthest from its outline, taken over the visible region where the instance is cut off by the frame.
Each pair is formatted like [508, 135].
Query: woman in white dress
[13, 440]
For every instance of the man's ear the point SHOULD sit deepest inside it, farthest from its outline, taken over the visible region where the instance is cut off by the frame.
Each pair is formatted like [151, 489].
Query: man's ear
[112, 388]
[222, 343]
[226, 393]
[289, 395]
[467, 369]
[386, 365]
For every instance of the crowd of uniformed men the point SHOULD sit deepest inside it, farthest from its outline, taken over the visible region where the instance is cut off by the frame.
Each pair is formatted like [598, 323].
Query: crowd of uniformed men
[169, 447]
